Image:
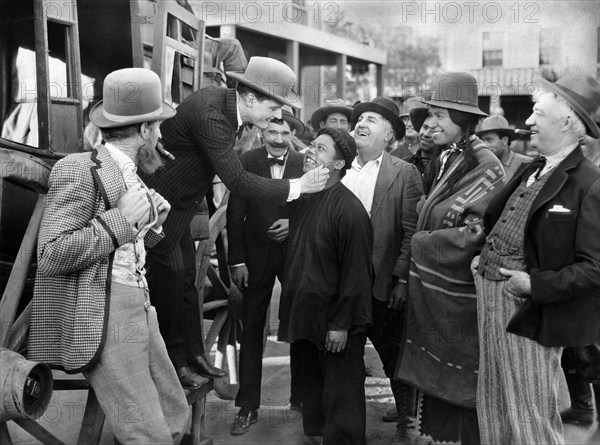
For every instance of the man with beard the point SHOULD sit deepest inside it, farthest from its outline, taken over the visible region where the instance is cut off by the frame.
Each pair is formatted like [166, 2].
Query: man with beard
[201, 137]
[325, 307]
[91, 308]
[257, 231]
[497, 135]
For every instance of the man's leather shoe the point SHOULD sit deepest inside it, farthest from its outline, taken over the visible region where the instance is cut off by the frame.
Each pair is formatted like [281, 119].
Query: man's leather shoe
[577, 418]
[187, 379]
[200, 365]
[243, 420]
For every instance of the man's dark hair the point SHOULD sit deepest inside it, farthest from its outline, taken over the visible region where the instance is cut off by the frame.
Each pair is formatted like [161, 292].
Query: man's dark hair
[112, 134]
[244, 90]
[345, 146]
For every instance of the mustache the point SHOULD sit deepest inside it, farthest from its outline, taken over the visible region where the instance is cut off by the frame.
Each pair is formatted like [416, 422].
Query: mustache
[279, 144]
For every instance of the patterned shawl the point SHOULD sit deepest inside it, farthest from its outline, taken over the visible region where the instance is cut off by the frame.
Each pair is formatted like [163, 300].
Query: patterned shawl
[440, 353]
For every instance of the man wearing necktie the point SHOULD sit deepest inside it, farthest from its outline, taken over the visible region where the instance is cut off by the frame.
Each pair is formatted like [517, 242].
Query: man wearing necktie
[257, 233]
[538, 276]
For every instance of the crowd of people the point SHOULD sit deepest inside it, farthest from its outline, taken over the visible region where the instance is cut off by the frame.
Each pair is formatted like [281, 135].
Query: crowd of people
[469, 267]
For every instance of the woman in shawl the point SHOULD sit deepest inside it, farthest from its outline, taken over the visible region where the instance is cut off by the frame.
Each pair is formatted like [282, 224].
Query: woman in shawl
[440, 353]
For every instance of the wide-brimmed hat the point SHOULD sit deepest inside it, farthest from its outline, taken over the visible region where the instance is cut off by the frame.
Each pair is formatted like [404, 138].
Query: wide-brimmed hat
[130, 96]
[582, 93]
[387, 108]
[456, 91]
[418, 116]
[288, 116]
[271, 78]
[333, 106]
[497, 124]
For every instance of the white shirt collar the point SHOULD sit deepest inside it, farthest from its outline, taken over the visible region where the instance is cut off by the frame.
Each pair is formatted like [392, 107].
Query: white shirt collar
[357, 166]
[560, 155]
[237, 108]
[123, 161]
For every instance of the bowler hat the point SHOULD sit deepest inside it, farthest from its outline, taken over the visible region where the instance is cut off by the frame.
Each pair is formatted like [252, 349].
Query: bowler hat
[387, 108]
[130, 96]
[456, 91]
[271, 78]
[334, 106]
[288, 116]
[497, 124]
[582, 93]
[409, 104]
[418, 116]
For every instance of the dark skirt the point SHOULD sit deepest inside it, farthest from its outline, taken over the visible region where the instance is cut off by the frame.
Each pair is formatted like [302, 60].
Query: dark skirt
[446, 422]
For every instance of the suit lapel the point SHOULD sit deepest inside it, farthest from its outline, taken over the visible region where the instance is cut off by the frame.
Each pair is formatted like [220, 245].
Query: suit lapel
[385, 179]
[108, 176]
[265, 168]
[293, 165]
[557, 180]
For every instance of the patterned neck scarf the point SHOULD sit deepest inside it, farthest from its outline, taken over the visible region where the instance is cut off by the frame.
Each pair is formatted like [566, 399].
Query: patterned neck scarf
[448, 151]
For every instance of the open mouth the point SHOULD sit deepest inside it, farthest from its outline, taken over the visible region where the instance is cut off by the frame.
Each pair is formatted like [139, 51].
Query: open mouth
[310, 162]
[361, 132]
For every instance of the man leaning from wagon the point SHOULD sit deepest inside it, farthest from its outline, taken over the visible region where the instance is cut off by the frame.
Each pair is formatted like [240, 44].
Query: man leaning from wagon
[91, 308]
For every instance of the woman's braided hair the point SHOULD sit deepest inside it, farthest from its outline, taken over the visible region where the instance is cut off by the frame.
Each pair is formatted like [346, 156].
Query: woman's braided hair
[345, 146]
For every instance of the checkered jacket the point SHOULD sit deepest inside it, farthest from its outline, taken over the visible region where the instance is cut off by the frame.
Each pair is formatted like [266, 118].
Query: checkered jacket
[80, 230]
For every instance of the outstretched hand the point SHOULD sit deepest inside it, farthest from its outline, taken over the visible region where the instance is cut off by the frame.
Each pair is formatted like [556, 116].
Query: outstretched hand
[314, 180]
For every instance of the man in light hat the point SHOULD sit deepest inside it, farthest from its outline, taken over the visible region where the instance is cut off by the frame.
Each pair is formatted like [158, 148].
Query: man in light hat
[201, 137]
[539, 273]
[257, 233]
[334, 114]
[389, 189]
[91, 309]
[497, 135]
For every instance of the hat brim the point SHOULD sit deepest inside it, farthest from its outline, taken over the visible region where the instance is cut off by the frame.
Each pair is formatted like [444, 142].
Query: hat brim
[294, 122]
[293, 100]
[321, 114]
[466, 108]
[505, 131]
[97, 117]
[592, 127]
[396, 120]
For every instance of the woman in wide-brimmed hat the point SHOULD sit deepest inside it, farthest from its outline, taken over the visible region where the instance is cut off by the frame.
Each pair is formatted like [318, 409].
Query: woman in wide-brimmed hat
[440, 351]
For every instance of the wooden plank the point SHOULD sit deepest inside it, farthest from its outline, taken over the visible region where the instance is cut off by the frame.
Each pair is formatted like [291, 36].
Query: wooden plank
[38, 431]
[20, 329]
[4, 434]
[40, 27]
[18, 274]
[93, 421]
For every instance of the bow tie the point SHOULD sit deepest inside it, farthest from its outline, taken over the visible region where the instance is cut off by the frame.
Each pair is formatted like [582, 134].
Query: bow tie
[273, 161]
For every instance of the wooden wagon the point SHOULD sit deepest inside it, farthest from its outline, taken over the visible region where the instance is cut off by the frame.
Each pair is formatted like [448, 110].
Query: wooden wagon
[51, 68]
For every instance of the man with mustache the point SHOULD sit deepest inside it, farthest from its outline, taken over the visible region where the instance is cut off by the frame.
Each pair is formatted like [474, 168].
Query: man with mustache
[257, 232]
[91, 309]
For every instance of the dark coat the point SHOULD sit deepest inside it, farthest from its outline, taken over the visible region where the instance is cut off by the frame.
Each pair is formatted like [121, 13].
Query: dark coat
[201, 136]
[249, 218]
[562, 253]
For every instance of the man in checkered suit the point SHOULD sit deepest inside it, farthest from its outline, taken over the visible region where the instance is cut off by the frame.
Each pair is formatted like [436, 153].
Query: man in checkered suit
[91, 309]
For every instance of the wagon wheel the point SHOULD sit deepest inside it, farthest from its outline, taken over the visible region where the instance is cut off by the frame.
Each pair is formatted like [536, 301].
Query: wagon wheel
[227, 303]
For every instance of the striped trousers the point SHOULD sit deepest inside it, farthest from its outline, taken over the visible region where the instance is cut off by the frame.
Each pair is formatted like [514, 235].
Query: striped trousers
[517, 390]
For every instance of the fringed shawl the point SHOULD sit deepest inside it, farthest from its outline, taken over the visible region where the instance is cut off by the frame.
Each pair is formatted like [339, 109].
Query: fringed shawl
[440, 353]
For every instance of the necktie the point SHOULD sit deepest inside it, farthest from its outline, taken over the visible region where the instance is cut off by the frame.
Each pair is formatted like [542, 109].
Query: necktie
[533, 170]
[239, 132]
[273, 161]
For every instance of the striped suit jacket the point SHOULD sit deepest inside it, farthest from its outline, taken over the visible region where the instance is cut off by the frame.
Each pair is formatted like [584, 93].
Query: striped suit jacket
[80, 230]
[201, 136]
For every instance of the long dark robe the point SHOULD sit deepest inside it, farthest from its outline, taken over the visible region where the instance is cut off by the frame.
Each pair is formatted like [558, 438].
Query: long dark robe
[328, 272]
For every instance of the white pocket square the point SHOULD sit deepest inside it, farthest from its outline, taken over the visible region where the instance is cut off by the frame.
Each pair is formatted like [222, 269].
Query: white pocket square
[559, 209]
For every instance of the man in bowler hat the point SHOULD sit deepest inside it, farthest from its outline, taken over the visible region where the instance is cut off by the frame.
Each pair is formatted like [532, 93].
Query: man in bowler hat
[497, 135]
[389, 189]
[91, 309]
[539, 273]
[201, 137]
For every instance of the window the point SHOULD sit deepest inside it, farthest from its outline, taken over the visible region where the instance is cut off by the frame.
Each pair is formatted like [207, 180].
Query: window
[549, 46]
[492, 49]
